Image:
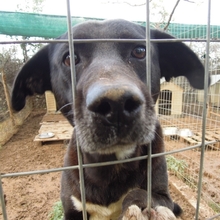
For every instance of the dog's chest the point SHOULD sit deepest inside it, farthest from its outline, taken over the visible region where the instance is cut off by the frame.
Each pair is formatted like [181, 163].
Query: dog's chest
[97, 212]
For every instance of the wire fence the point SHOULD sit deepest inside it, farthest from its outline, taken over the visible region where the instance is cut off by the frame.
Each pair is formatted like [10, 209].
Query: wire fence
[190, 121]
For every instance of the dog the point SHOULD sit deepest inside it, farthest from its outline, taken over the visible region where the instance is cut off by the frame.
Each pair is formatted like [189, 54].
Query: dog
[113, 111]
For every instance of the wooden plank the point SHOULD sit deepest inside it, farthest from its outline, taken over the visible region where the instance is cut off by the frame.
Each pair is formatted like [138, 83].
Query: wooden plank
[61, 131]
[212, 135]
[217, 132]
[53, 118]
[208, 136]
[189, 140]
[216, 137]
[55, 123]
[216, 114]
[197, 138]
[50, 102]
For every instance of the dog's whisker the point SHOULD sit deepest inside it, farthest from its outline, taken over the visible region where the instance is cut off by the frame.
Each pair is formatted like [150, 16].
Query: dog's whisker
[159, 136]
[156, 93]
[64, 106]
[69, 113]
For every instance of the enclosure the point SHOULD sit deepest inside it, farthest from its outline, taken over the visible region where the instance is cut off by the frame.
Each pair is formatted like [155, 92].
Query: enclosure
[190, 118]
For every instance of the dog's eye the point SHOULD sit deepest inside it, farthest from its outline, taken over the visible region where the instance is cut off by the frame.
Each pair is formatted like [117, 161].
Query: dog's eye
[139, 52]
[67, 60]
[76, 59]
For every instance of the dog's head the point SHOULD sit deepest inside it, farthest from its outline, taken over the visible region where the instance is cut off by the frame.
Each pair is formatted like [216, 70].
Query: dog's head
[113, 108]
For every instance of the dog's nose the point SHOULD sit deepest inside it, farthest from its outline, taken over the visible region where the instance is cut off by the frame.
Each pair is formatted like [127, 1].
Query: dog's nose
[117, 105]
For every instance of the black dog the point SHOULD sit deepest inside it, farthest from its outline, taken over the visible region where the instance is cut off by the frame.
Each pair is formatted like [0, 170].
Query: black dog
[114, 115]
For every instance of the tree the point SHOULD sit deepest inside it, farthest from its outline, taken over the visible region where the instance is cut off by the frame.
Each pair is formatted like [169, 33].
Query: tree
[33, 6]
[157, 10]
[9, 66]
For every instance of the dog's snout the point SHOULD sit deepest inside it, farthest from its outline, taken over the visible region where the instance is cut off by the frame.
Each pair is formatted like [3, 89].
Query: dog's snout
[105, 106]
[116, 104]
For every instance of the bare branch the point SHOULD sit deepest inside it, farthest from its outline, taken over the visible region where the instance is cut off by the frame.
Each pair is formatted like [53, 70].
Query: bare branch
[171, 15]
[189, 1]
[135, 5]
[128, 3]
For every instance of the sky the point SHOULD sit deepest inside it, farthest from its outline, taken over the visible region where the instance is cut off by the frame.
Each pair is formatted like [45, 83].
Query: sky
[189, 12]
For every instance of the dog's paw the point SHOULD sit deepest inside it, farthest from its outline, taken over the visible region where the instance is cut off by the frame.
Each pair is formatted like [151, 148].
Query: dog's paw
[163, 213]
[159, 213]
[134, 213]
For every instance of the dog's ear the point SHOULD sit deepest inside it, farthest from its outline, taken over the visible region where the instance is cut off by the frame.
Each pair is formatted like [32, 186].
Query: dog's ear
[176, 59]
[34, 77]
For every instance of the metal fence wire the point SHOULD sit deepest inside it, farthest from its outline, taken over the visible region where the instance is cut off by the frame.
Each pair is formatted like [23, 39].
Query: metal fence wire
[169, 151]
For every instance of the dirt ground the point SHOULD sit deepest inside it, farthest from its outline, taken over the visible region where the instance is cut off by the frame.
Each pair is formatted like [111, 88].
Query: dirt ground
[32, 197]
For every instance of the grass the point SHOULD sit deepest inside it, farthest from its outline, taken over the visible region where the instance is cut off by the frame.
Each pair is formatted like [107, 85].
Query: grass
[176, 166]
[214, 206]
[57, 212]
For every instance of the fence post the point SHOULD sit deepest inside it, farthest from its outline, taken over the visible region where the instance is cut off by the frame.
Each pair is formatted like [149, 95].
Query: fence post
[2, 201]
[7, 96]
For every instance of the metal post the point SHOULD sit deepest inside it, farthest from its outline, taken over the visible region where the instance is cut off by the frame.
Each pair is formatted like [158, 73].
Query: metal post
[2, 201]
[148, 84]
[73, 79]
[204, 111]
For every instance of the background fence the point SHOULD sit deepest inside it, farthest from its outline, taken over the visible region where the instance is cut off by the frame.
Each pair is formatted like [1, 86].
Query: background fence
[180, 110]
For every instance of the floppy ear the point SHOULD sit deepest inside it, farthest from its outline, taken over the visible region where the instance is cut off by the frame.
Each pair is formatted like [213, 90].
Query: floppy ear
[176, 59]
[34, 77]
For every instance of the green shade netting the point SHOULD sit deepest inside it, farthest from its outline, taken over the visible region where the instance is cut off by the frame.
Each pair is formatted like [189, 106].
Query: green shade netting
[52, 26]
